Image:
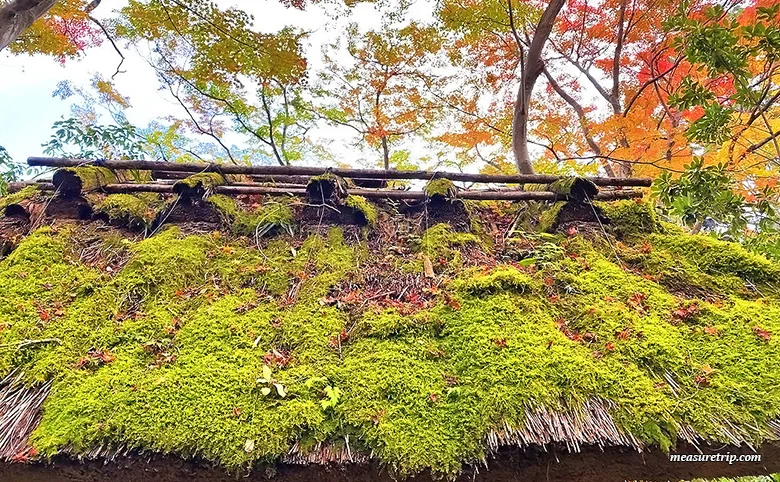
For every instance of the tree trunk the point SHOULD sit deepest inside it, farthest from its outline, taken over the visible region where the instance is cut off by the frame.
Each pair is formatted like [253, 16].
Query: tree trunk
[385, 153]
[16, 16]
[532, 68]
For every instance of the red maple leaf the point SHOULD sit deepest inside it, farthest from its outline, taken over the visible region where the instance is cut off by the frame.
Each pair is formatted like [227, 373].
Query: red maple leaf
[686, 313]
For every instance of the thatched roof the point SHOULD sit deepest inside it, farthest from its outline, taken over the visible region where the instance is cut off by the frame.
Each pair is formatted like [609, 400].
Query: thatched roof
[427, 336]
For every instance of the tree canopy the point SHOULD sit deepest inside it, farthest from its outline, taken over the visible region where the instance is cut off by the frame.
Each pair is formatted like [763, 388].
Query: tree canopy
[640, 87]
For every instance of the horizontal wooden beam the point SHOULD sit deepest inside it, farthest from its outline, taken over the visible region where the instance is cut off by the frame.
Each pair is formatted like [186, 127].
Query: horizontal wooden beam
[316, 171]
[394, 194]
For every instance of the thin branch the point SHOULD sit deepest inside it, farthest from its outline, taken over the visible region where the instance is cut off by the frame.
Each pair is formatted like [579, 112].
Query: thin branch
[113, 44]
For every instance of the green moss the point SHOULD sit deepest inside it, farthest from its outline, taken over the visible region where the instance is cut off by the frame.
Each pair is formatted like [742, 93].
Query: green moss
[631, 218]
[275, 214]
[720, 258]
[17, 197]
[94, 177]
[437, 239]
[578, 187]
[389, 323]
[503, 279]
[328, 176]
[549, 217]
[140, 209]
[361, 204]
[205, 180]
[41, 284]
[190, 321]
[441, 187]
[440, 244]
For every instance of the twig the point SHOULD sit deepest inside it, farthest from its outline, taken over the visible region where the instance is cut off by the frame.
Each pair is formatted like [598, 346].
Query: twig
[27, 343]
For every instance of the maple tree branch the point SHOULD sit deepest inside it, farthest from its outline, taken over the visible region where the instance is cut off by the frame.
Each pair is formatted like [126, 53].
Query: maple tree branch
[237, 117]
[489, 162]
[599, 88]
[256, 46]
[650, 82]
[460, 109]
[577, 108]
[210, 131]
[758, 145]
[771, 134]
[110, 39]
[269, 117]
[549, 148]
[618, 55]
[285, 125]
[513, 27]
[762, 107]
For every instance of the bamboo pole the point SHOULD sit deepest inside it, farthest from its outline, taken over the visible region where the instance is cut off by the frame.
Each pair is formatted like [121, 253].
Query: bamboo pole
[316, 171]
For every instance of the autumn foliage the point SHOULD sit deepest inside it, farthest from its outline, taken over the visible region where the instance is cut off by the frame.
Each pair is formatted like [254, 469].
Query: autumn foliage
[625, 88]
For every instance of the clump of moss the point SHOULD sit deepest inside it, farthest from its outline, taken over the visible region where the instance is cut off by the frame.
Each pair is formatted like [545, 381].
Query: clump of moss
[42, 285]
[187, 373]
[362, 205]
[204, 180]
[438, 241]
[94, 177]
[389, 323]
[17, 197]
[441, 187]
[140, 209]
[502, 279]
[267, 217]
[577, 188]
[720, 258]
[631, 218]
[549, 217]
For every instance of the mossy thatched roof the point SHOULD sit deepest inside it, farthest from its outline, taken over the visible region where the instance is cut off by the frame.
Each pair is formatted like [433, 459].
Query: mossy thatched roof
[267, 331]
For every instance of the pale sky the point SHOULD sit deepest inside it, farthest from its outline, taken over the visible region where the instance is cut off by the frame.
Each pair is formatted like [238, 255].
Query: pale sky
[28, 109]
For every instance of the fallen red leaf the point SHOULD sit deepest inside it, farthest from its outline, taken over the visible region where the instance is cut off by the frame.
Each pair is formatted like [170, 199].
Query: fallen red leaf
[763, 334]
[711, 330]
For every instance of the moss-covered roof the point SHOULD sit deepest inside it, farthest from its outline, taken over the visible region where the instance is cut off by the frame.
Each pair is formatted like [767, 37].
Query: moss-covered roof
[272, 332]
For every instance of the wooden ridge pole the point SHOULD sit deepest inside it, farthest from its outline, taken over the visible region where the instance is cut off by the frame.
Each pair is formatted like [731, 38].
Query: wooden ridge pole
[316, 171]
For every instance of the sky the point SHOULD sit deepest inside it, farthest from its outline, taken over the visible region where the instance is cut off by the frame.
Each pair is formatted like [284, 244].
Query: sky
[28, 109]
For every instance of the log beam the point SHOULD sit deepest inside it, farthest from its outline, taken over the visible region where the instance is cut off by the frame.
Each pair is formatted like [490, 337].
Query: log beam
[342, 172]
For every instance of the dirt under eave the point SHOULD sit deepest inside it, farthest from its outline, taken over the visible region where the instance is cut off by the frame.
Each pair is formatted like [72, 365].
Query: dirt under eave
[592, 464]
